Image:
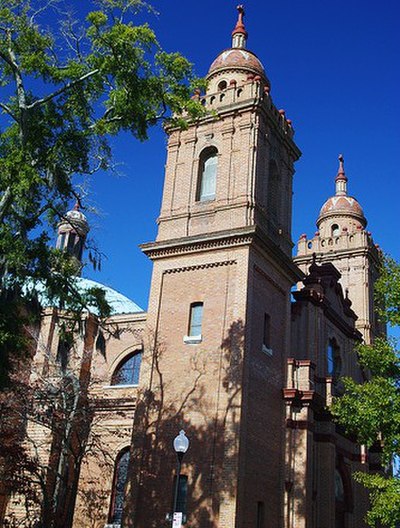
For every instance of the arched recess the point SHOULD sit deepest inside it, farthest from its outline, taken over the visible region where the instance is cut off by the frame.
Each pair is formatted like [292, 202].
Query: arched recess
[343, 493]
[273, 196]
[207, 176]
[118, 486]
[335, 230]
[127, 371]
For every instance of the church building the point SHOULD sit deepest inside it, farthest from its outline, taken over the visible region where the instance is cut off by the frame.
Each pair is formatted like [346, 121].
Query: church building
[242, 347]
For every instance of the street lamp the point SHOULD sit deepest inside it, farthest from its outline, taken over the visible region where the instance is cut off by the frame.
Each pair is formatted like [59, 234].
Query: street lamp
[181, 445]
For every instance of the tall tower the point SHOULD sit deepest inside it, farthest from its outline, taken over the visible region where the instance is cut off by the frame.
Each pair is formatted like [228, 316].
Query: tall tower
[219, 309]
[342, 239]
[72, 232]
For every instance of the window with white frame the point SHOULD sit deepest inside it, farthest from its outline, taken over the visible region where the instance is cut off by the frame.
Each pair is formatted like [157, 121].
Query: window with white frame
[207, 174]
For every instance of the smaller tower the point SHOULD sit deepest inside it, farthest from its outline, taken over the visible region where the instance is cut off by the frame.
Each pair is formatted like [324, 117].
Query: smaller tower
[72, 232]
[341, 239]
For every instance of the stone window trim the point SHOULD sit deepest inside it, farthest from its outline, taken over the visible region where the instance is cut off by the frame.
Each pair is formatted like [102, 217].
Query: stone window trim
[207, 175]
[195, 323]
[192, 340]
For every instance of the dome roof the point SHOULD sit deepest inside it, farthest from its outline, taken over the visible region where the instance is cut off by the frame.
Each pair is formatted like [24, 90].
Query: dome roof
[119, 304]
[237, 58]
[342, 205]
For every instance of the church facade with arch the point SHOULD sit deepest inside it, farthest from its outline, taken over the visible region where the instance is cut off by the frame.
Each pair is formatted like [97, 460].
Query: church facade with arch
[243, 346]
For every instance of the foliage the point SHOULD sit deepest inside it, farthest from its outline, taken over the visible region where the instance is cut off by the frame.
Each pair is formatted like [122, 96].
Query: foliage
[68, 86]
[371, 410]
[388, 292]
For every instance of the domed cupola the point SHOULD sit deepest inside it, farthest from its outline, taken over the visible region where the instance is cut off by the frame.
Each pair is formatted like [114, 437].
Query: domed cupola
[236, 64]
[341, 211]
[72, 232]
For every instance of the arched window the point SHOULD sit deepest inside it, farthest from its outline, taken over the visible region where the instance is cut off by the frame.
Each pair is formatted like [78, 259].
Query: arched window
[128, 371]
[222, 86]
[343, 494]
[334, 360]
[118, 487]
[335, 230]
[207, 182]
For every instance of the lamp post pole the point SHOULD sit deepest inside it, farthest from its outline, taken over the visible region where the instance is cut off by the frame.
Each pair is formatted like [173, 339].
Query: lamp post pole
[181, 445]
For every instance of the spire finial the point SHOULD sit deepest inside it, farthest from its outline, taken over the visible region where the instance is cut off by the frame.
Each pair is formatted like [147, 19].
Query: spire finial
[341, 173]
[239, 34]
[341, 178]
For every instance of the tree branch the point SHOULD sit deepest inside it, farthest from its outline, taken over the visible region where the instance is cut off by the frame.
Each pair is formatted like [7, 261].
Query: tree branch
[8, 110]
[58, 92]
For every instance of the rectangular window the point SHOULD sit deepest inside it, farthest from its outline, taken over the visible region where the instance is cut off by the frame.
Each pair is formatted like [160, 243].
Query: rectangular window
[63, 352]
[196, 319]
[260, 515]
[267, 331]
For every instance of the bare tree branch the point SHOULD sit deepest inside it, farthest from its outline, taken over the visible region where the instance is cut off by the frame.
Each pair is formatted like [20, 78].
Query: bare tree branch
[63, 89]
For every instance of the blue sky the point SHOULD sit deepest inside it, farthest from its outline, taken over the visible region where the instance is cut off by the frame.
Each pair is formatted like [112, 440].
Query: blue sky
[333, 67]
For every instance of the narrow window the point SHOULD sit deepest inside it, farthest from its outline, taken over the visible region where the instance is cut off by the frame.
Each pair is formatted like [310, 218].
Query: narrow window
[267, 331]
[340, 500]
[118, 489]
[181, 499]
[127, 372]
[335, 230]
[273, 193]
[71, 242]
[334, 361]
[61, 241]
[63, 352]
[196, 319]
[208, 174]
[260, 515]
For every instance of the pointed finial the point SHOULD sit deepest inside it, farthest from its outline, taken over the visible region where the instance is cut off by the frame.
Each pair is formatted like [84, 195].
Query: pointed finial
[341, 175]
[77, 206]
[239, 34]
[341, 179]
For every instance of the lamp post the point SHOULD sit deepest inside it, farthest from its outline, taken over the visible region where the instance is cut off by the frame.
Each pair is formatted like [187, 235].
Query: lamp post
[181, 445]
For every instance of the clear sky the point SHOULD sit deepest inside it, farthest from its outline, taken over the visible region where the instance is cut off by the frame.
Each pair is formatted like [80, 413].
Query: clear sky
[334, 68]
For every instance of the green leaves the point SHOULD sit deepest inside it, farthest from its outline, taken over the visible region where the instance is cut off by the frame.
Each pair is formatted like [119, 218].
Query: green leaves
[384, 498]
[371, 410]
[388, 292]
[69, 89]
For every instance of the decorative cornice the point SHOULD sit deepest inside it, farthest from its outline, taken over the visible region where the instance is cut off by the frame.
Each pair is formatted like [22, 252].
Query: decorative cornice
[201, 266]
[185, 245]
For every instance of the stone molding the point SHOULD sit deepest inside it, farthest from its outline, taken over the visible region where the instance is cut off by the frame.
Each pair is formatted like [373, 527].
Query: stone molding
[200, 266]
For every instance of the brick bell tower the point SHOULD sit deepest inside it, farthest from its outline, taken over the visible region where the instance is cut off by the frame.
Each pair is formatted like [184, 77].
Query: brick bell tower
[343, 240]
[219, 310]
